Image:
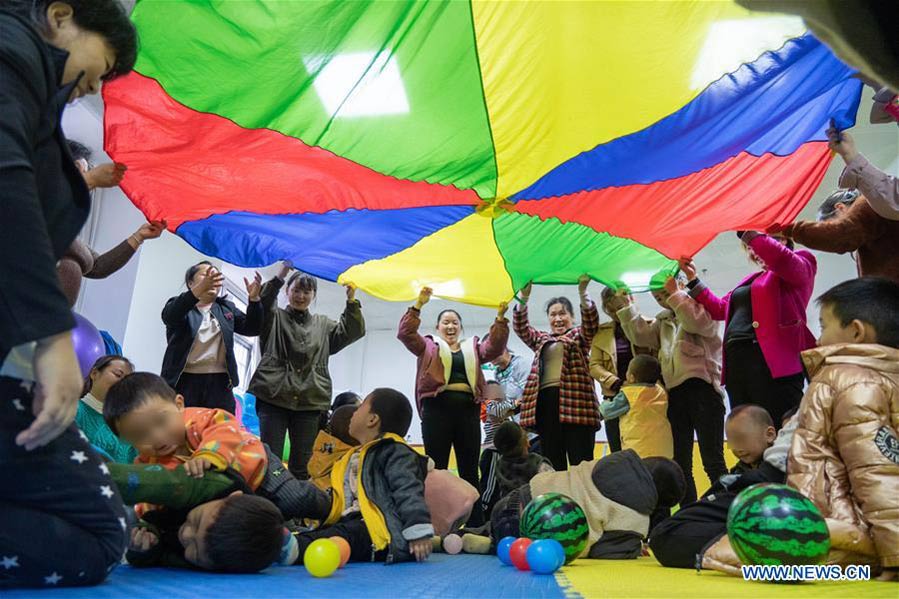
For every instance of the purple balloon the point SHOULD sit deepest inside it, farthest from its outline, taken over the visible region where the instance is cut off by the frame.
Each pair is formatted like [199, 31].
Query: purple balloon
[88, 342]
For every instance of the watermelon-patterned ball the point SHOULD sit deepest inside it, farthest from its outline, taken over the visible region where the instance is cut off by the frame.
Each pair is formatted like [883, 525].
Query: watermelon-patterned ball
[771, 524]
[558, 517]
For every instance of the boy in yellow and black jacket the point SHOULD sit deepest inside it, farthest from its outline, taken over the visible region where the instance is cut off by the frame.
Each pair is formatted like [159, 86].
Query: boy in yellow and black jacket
[378, 502]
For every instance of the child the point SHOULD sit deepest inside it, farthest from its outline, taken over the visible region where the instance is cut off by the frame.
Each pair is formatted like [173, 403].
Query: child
[378, 488]
[618, 494]
[329, 447]
[497, 410]
[144, 411]
[645, 427]
[845, 454]
[750, 431]
[681, 540]
[516, 466]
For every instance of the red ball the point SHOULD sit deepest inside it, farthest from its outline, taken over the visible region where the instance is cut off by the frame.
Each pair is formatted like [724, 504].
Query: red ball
[519, 554]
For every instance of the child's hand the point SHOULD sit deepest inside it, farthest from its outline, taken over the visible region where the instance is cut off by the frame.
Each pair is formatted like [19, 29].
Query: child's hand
[197, 466]
[421, 549]
[142, 539]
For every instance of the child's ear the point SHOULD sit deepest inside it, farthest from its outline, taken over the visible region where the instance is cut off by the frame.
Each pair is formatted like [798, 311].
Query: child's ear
[770, 434]
[862, 332]
[179, 401]
[630, 378]
[374, 421]
[235, 493]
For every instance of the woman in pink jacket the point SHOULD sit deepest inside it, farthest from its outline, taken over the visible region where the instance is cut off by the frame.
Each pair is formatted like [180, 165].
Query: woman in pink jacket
[765, 326]
[449, 384]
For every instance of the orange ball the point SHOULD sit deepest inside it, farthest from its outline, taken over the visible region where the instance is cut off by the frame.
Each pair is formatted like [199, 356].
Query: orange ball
[344, 547]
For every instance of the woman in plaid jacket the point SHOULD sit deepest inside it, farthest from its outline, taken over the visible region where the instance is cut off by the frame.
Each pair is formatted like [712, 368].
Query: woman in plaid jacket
[559, 399]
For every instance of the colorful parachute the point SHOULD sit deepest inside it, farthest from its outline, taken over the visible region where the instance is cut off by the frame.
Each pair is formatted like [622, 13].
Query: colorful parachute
[471, 146]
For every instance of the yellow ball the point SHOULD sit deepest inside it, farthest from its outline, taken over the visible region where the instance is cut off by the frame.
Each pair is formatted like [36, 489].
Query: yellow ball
[322, 557]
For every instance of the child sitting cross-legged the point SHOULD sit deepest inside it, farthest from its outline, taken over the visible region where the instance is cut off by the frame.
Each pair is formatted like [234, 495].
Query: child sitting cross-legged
[145, 411]
[378, 487]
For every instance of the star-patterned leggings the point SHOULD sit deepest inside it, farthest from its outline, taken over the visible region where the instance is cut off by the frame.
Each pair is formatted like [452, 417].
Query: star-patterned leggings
[62, 522]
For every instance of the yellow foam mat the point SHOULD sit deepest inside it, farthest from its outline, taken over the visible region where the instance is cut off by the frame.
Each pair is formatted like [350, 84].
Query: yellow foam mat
[644, 577]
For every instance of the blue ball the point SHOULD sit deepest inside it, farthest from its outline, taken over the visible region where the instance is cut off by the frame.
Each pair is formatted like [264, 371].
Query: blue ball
[560, 551]
[502, 550]
[543, 558]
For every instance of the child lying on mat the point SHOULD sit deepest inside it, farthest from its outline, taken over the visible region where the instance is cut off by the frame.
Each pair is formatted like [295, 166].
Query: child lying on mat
[213, 522]
[145, 411]
[378, 488]
[618, 494]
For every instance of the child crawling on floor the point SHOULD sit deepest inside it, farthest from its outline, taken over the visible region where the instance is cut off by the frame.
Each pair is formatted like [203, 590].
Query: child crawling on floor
[618, 494]
[143, 410]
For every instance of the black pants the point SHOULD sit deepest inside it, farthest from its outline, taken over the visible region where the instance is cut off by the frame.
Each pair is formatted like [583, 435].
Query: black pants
[678, 541]
[563, 444]
[453, 420]
[613, 434]
[206, 391]
[749, 381]
[352, 528]
[695, 405]
[275, 422]
[62, 522]
[489, 483]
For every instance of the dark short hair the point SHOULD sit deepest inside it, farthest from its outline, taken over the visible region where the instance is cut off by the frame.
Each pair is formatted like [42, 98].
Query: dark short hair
[646, 369]
[339, 425]
[449, 310]
[757, 413]
[607, 293]
[246, 536]
[566, 303]
[100, 365]
[347, 398]
[393, 408]
[668, 479]
[104, 17]
[507, 437]
[828, 208]
[132, 392]
[306, 282]
[78, 150]
[872, 300]
[193, 270]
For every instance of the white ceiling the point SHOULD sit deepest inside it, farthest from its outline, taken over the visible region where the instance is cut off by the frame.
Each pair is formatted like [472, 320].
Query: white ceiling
[723, 262]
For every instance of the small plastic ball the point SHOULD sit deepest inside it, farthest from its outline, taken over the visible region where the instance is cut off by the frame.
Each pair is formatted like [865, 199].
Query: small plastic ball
[322, 557]
[542, 557]
[559, 550]
[518, 553]
[502, 550]
[452, 544]
[344, 548]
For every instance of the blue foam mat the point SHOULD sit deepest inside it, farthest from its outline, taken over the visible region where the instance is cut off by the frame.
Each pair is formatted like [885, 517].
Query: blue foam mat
[442, 576]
